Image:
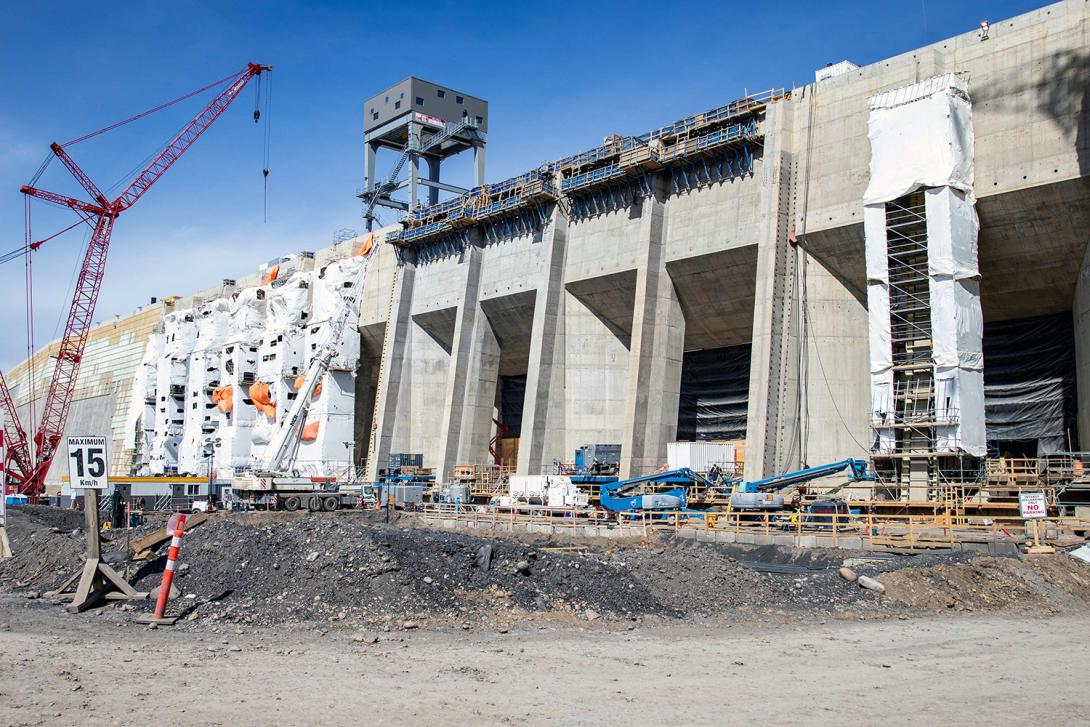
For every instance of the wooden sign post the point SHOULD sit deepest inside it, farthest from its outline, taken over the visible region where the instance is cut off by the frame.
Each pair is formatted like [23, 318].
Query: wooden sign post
[96, 580]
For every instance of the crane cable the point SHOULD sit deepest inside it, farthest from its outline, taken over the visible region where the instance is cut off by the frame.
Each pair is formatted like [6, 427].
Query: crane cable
[26, 248]
[29, 272]
[160, 107]
[267, 145]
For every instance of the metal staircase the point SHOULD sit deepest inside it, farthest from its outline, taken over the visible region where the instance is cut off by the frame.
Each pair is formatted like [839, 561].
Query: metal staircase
[393, 183]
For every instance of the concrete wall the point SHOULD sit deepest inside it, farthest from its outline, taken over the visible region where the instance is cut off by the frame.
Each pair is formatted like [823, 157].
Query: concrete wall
[103, 402]
[597, 311]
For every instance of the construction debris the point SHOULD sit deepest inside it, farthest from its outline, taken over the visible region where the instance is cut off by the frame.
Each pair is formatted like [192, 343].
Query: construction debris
[266, 569]
[870, 584]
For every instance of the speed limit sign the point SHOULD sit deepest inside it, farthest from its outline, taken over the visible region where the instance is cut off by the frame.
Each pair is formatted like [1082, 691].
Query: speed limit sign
[87, 468]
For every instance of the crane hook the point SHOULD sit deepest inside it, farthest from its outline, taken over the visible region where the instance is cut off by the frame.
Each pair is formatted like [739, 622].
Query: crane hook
[257, 115]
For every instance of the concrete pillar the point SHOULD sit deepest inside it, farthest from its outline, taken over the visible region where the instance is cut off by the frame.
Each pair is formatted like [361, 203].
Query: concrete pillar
[369, 175]
[835, 402]
[414, 165]
[545, 372]
[391, 370]
[434, 163]
[773, 430]
[658, 342]
[1080, 311]
[470, 335]
[481, 381]
[368, 166]
[478, 165]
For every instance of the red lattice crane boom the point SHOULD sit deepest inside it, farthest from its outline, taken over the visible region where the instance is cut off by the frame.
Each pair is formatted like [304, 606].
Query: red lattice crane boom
[28, 471]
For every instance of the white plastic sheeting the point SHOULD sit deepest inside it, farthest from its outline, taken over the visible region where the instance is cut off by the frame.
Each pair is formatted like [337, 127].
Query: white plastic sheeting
[289, 301]
[234, 427]
[334, 411]
[282, 352]
[959, 398]
[213, 321]
[259, 334]
[952, 229]
[144, 402]
[171, 374]
[881, 347]
[331, 284]
[200, 430]
[921, 135]
[248, 314]
[957, 324]
[238, 369]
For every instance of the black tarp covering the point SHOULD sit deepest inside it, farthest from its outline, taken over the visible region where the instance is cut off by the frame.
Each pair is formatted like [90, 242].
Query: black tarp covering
[512, 396]
[1029, 382]
[714, 394]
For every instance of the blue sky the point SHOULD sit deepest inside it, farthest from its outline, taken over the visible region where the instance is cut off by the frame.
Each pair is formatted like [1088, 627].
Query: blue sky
[558, 77]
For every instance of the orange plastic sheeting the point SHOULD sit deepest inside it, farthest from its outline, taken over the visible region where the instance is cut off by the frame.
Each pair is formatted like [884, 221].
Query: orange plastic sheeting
[259, 393]
[368, 244]
[222, 395]
[301, 379]
[272, 275]
[310, 431]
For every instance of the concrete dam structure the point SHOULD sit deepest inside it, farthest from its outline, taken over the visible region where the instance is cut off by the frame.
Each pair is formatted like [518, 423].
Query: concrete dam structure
[715, 279]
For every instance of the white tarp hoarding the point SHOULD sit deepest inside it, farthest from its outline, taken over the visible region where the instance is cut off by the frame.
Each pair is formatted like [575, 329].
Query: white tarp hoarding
[921, 135]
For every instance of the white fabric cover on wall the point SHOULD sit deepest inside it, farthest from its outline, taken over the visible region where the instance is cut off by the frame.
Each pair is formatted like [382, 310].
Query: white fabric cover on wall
[921, 135]
[248, 314]
[289, 301]
[260, 334]
[952, 230]
[881, 348]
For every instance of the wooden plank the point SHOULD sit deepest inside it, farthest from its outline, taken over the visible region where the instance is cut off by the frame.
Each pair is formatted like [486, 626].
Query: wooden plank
[142, 547]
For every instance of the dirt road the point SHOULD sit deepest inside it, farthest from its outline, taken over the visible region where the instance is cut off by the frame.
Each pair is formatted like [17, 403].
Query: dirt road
[958, 668]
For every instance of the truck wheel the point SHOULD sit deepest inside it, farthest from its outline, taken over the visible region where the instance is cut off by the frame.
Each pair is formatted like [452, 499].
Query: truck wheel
[329, 504]
[291, 504]
[314, 503]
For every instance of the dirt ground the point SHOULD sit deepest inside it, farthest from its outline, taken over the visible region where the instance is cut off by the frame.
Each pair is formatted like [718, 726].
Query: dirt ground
[346, 620]
[952, 668]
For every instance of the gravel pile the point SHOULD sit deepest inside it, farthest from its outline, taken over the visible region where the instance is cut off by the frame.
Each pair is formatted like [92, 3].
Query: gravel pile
[49, 545]
[268, 568]
[332, 568]
[264, 570]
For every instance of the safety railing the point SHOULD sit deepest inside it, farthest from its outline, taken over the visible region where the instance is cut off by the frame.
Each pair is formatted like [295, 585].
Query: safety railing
[698, 137]
[866, 530]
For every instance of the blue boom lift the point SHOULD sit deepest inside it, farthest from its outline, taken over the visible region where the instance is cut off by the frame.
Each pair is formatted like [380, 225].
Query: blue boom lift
[613, 496]
[759, 494]
[755, 495]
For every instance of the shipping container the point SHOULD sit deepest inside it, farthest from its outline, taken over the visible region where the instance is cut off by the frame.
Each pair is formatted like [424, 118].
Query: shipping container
[700, 456]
